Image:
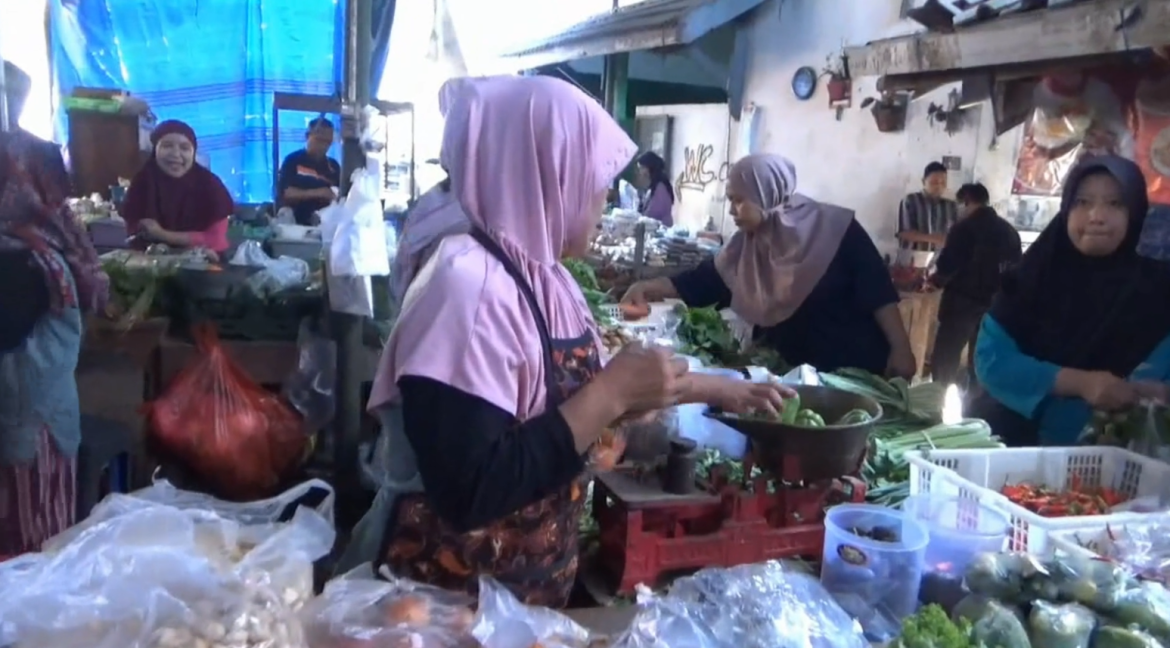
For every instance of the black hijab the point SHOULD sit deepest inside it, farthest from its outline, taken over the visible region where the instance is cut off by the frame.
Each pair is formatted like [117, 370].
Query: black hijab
[656, 167]
[1090, 313]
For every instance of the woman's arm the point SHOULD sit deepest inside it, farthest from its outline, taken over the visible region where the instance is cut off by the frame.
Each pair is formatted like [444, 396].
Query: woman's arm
[477, 462]
[213, 238]
[1018, 381]
[873, 289]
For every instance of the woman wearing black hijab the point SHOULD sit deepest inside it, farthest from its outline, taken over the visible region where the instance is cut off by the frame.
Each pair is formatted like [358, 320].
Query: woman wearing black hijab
[1082, 323]
[659, 201]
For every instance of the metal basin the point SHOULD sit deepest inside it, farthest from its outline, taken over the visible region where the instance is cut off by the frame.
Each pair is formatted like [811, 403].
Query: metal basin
[793, 453]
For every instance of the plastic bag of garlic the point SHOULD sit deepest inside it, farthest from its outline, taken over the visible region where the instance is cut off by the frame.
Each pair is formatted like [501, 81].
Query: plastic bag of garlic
[161, 577]
[357, 611]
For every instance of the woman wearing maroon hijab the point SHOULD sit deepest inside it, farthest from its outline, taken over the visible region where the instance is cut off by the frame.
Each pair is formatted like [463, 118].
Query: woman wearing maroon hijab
[175, 201]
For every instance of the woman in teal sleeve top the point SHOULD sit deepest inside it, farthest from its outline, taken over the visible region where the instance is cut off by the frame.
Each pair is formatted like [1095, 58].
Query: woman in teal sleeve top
[1084, 322]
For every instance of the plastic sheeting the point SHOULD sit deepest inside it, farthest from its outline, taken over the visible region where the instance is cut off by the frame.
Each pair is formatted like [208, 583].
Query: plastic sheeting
[214, 64]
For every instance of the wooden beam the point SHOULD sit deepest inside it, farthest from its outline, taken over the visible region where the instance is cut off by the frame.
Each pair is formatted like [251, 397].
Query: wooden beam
[1088, 28]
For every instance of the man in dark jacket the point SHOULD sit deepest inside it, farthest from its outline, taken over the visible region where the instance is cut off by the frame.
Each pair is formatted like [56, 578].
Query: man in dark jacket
[978, 250]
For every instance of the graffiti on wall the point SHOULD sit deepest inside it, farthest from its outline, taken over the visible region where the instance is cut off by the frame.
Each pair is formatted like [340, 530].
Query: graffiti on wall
[699, 169]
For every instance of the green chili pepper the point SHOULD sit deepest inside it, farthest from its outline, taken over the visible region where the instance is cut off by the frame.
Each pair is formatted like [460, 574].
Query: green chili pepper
[809, 418]
[791, 410]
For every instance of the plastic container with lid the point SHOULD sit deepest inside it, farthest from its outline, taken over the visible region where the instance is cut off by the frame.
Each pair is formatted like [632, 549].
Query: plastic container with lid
[872, 565]
[959, 529]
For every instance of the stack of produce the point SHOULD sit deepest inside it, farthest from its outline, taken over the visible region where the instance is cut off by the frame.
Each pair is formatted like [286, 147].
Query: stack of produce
[1144, 429]
[911, 420]
[704, 334]
[1073, 501]
[586, 278]
[1019, 601]
[134, 292]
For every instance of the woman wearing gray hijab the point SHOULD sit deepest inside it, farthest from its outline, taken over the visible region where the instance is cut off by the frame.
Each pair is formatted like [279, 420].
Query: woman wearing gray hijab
[804, 274]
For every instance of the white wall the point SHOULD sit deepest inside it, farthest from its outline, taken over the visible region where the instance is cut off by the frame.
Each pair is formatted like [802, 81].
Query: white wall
[847, 161]
[697, 160]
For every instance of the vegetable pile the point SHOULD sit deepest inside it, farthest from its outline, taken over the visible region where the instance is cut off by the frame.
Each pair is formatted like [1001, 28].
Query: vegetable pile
[134, 292]
[1077, 500]
[1020, 601]
[931, 628]
[704, 334]
[911, 420]
[586, 278]
[1144, 429]
[795, 414]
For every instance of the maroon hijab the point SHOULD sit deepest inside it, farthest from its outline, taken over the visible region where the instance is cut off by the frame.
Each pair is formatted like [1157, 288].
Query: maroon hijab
[191, 203]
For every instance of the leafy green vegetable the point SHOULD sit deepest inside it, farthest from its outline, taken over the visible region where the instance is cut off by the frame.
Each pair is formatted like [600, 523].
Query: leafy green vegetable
[930, 628]
[705, 335]
[586, 278]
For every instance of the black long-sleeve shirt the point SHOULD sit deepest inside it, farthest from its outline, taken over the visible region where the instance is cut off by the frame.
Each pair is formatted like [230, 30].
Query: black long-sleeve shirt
[478, 463]
[835, 326]
[979, 249]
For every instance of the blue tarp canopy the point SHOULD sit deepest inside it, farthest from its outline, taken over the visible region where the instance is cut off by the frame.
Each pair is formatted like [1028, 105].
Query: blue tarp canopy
[214, 64]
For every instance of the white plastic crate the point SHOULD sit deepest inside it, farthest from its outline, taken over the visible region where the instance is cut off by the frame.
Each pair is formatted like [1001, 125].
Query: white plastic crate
[980, 474]
[613, 311]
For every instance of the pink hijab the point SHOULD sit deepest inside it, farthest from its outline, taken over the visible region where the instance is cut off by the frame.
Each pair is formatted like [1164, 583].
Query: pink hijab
[772, 270]
[527, 158]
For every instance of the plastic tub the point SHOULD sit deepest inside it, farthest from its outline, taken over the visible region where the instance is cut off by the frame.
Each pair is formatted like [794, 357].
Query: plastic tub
[876, 582]
[959, 530]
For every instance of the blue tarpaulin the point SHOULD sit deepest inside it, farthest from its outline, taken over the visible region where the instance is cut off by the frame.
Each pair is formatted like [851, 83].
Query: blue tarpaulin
[214, 64]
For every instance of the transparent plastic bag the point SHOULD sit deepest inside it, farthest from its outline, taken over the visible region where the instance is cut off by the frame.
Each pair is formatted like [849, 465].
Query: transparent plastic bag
[1143, 547]
[767, 605]
[311, 388]
[992, 622]
[1060, 626]
[315, 494]
[160, 577]
[502, 621]
[357, 611]
[663, 622]
[1021, 578]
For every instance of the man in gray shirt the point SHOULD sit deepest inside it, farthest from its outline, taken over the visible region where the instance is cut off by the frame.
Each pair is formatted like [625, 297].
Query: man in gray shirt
[924, 217]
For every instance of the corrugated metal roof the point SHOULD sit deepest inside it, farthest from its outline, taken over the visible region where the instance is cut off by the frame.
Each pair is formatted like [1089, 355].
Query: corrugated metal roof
[646, 25]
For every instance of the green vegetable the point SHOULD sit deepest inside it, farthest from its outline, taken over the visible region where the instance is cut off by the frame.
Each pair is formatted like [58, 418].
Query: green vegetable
[791, 410]
[1060, 626]
[855, 417]
[586, 278]
[930, 628]
[1116, 637]
[705, 335]
[809, 418]
[992, 623]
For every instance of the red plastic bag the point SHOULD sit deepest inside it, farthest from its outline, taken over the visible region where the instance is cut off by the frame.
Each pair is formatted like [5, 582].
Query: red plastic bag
[236, 436]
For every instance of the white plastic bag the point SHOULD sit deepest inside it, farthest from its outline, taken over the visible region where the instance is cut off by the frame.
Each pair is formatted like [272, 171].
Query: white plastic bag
[262, 514]
[161, 577]
[502, 621]
[358, 247]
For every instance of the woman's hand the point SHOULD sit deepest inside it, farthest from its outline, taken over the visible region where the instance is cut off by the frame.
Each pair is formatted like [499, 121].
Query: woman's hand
[902, 363]
[1105, 391]
[152, 228]
[743, 397]
[636, 295]
[643, 378]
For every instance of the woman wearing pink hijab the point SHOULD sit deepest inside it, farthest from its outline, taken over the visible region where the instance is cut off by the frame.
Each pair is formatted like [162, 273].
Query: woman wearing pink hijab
[804, 273]
[490, 388]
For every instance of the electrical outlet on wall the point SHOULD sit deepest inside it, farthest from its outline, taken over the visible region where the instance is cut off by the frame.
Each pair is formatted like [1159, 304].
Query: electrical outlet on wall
[952, 162]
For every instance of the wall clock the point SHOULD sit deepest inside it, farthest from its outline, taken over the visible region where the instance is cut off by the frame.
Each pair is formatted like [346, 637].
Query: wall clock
[804, 83]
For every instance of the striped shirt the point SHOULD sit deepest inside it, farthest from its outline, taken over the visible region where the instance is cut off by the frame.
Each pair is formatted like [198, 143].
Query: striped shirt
[921, 213]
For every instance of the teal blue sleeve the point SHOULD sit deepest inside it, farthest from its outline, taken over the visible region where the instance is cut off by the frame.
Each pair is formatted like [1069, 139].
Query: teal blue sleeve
[1018, 381]
[1157, 366]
